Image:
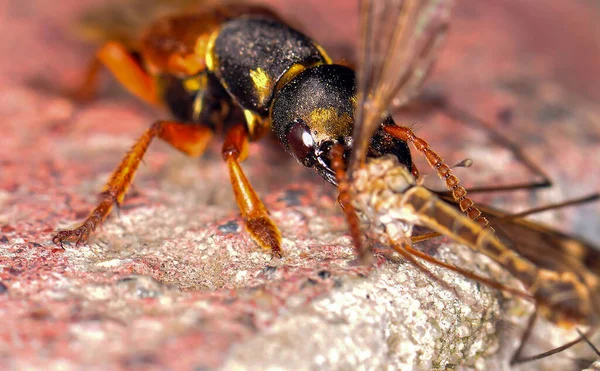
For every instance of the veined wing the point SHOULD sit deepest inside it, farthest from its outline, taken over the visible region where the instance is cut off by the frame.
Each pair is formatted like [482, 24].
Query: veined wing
[125, 20]
[541, 245]
[397, 46]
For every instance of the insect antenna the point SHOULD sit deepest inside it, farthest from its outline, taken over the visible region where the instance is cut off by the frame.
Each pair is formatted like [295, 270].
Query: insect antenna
[459, 193]
[463, 117]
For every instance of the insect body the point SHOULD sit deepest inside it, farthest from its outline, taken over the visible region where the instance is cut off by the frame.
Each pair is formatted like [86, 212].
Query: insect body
[240, 72]
[559, 272]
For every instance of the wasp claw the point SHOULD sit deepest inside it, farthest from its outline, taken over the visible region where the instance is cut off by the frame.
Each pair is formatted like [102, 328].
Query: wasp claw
[79, 234]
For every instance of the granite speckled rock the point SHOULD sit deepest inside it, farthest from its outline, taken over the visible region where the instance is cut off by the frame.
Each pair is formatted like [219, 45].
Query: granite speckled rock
[173, 281]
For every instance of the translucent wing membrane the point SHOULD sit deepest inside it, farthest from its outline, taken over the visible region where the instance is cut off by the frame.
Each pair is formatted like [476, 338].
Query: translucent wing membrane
[124, 21]
[545, 247]
[397, 45]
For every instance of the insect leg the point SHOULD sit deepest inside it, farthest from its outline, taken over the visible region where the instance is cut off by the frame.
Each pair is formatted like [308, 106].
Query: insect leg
[507, 217]
[345, 199]
[424, 237]
[466, 118]
[578, 201]
[256, 216]
[589, 342]
[126, 69]
[437, 163]
[189, 139]
[403, 249]
[517, 358]
[474, 276]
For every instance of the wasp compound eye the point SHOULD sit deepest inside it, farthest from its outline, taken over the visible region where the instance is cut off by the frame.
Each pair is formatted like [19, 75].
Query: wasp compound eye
[301, 143]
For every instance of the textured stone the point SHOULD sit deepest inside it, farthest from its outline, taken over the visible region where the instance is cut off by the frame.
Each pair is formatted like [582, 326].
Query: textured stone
[171, 282]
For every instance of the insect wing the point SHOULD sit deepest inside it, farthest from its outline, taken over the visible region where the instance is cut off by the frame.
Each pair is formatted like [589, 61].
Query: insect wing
[545, 247]
[397, 46]
[124, 21]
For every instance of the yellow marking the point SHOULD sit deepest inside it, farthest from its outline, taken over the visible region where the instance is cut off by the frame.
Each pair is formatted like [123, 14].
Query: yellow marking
[574, 249]
[257, 126]
[323, 53]
[292, 72]
[212, 61]
[326, 122]
[197, 108]
[195, 83]
[201, 45]
[262, 83]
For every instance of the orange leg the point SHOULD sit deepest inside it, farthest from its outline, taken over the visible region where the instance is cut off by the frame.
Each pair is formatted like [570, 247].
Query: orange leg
[459, 193]
[256, 216]
[189, 139]
[345, 200]
[126, 69]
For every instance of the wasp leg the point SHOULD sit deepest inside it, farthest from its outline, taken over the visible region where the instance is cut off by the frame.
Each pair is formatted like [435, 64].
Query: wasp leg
[459, 193]
[126, 69]
[256, 216]
[189, 139]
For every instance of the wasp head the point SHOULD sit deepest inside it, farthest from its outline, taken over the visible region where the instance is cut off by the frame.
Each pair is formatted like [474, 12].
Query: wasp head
[315, 110]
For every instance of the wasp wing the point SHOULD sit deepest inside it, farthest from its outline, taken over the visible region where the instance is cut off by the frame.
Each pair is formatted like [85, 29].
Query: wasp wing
[397, 46]
[125, 20]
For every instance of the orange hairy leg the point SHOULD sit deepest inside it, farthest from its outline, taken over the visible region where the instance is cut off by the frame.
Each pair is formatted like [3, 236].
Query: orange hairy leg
[126, 69]
[459, 193]
[188, 138]
[345, 199]
[256, 216]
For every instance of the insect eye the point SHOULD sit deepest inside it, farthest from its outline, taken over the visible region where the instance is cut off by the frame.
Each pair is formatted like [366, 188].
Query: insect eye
[301, 142]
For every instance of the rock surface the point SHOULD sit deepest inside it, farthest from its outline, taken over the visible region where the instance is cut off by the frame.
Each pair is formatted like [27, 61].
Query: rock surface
[174, 282]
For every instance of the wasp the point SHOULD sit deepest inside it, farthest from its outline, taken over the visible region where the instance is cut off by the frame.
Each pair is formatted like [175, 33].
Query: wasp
[240, 71]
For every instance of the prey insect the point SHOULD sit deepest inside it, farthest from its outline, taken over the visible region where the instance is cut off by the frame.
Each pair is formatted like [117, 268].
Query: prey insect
[566, 294]
[559, 272]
